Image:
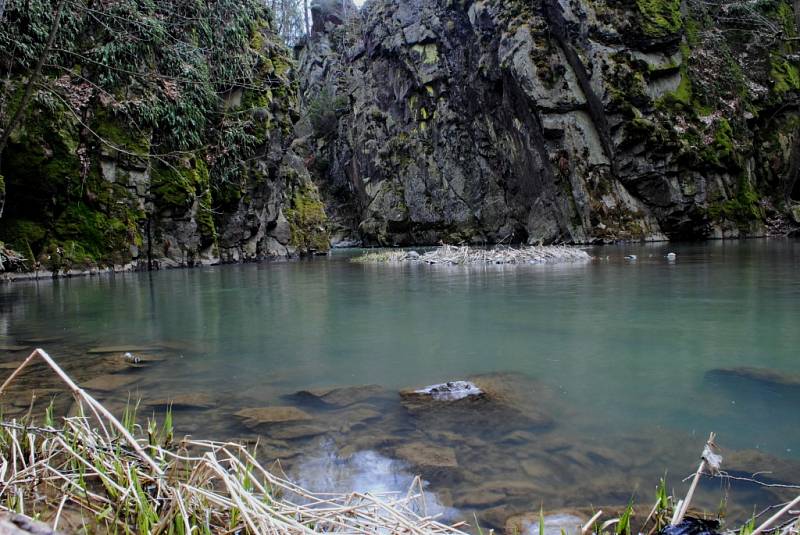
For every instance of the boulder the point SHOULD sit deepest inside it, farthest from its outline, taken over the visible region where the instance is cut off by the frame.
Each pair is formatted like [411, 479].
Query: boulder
[504, 400]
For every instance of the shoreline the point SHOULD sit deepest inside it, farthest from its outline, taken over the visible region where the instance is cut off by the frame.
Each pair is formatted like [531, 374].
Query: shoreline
[8, 277]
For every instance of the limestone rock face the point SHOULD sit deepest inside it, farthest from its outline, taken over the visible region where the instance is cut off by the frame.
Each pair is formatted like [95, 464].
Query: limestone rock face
[494, 120]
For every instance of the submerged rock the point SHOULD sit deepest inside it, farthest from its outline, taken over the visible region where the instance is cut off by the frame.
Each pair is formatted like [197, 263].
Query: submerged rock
[340, 396]
[121, 349]
[757, 375]
[427, 456]
[768, 468]
[109, 382]
[296, 431]
[258, 416]
[13, 347]
[195, 400]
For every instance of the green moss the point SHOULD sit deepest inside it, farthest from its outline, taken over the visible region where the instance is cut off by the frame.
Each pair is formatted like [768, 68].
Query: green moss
[119, 133]
[95, 233]
[308, 222]
[785, 15]
[205, 213]
[692, 29]
[785, 75]
[172, 186]
[660, 17]
[23, 235]
[428, 53]
[743, 209]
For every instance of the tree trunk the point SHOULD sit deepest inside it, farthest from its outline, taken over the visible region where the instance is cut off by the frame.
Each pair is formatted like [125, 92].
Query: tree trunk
[34, 77]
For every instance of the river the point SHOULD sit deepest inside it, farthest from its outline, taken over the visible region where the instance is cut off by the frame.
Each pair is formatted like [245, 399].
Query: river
[615, 358]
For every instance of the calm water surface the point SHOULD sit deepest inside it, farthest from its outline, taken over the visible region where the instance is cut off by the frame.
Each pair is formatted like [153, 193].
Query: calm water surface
[622, 347]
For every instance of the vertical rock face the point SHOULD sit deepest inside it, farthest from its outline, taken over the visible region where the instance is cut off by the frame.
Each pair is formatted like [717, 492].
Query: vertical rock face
[171, 147]
[550, 120]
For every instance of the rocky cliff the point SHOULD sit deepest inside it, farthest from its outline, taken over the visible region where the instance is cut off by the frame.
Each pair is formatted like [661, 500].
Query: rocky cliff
[157, 134]
[552, 120]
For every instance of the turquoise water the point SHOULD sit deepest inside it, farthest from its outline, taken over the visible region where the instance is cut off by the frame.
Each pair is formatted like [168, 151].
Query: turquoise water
[625, 346]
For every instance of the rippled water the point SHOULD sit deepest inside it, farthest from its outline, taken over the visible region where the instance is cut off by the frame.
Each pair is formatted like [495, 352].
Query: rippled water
[617, 353]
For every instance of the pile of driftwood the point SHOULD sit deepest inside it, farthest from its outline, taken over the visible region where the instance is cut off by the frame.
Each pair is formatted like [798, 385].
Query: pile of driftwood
[465, 255]
[94, 473]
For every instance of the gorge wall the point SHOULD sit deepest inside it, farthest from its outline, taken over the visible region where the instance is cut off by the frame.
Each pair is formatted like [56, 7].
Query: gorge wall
[552, 120]
[156, 134]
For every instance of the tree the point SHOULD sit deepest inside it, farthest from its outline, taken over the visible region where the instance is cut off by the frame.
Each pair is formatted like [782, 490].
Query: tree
[291, 19]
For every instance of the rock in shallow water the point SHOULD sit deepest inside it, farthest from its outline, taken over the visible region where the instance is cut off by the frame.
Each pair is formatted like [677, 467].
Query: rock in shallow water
[340, 396]
[258, 416]
[109, 382]
[424, 456]
[757, 375]
[191, 401]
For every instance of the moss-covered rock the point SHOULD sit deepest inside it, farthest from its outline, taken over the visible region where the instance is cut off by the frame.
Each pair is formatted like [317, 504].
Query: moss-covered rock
[308, 222]
[660, 17]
